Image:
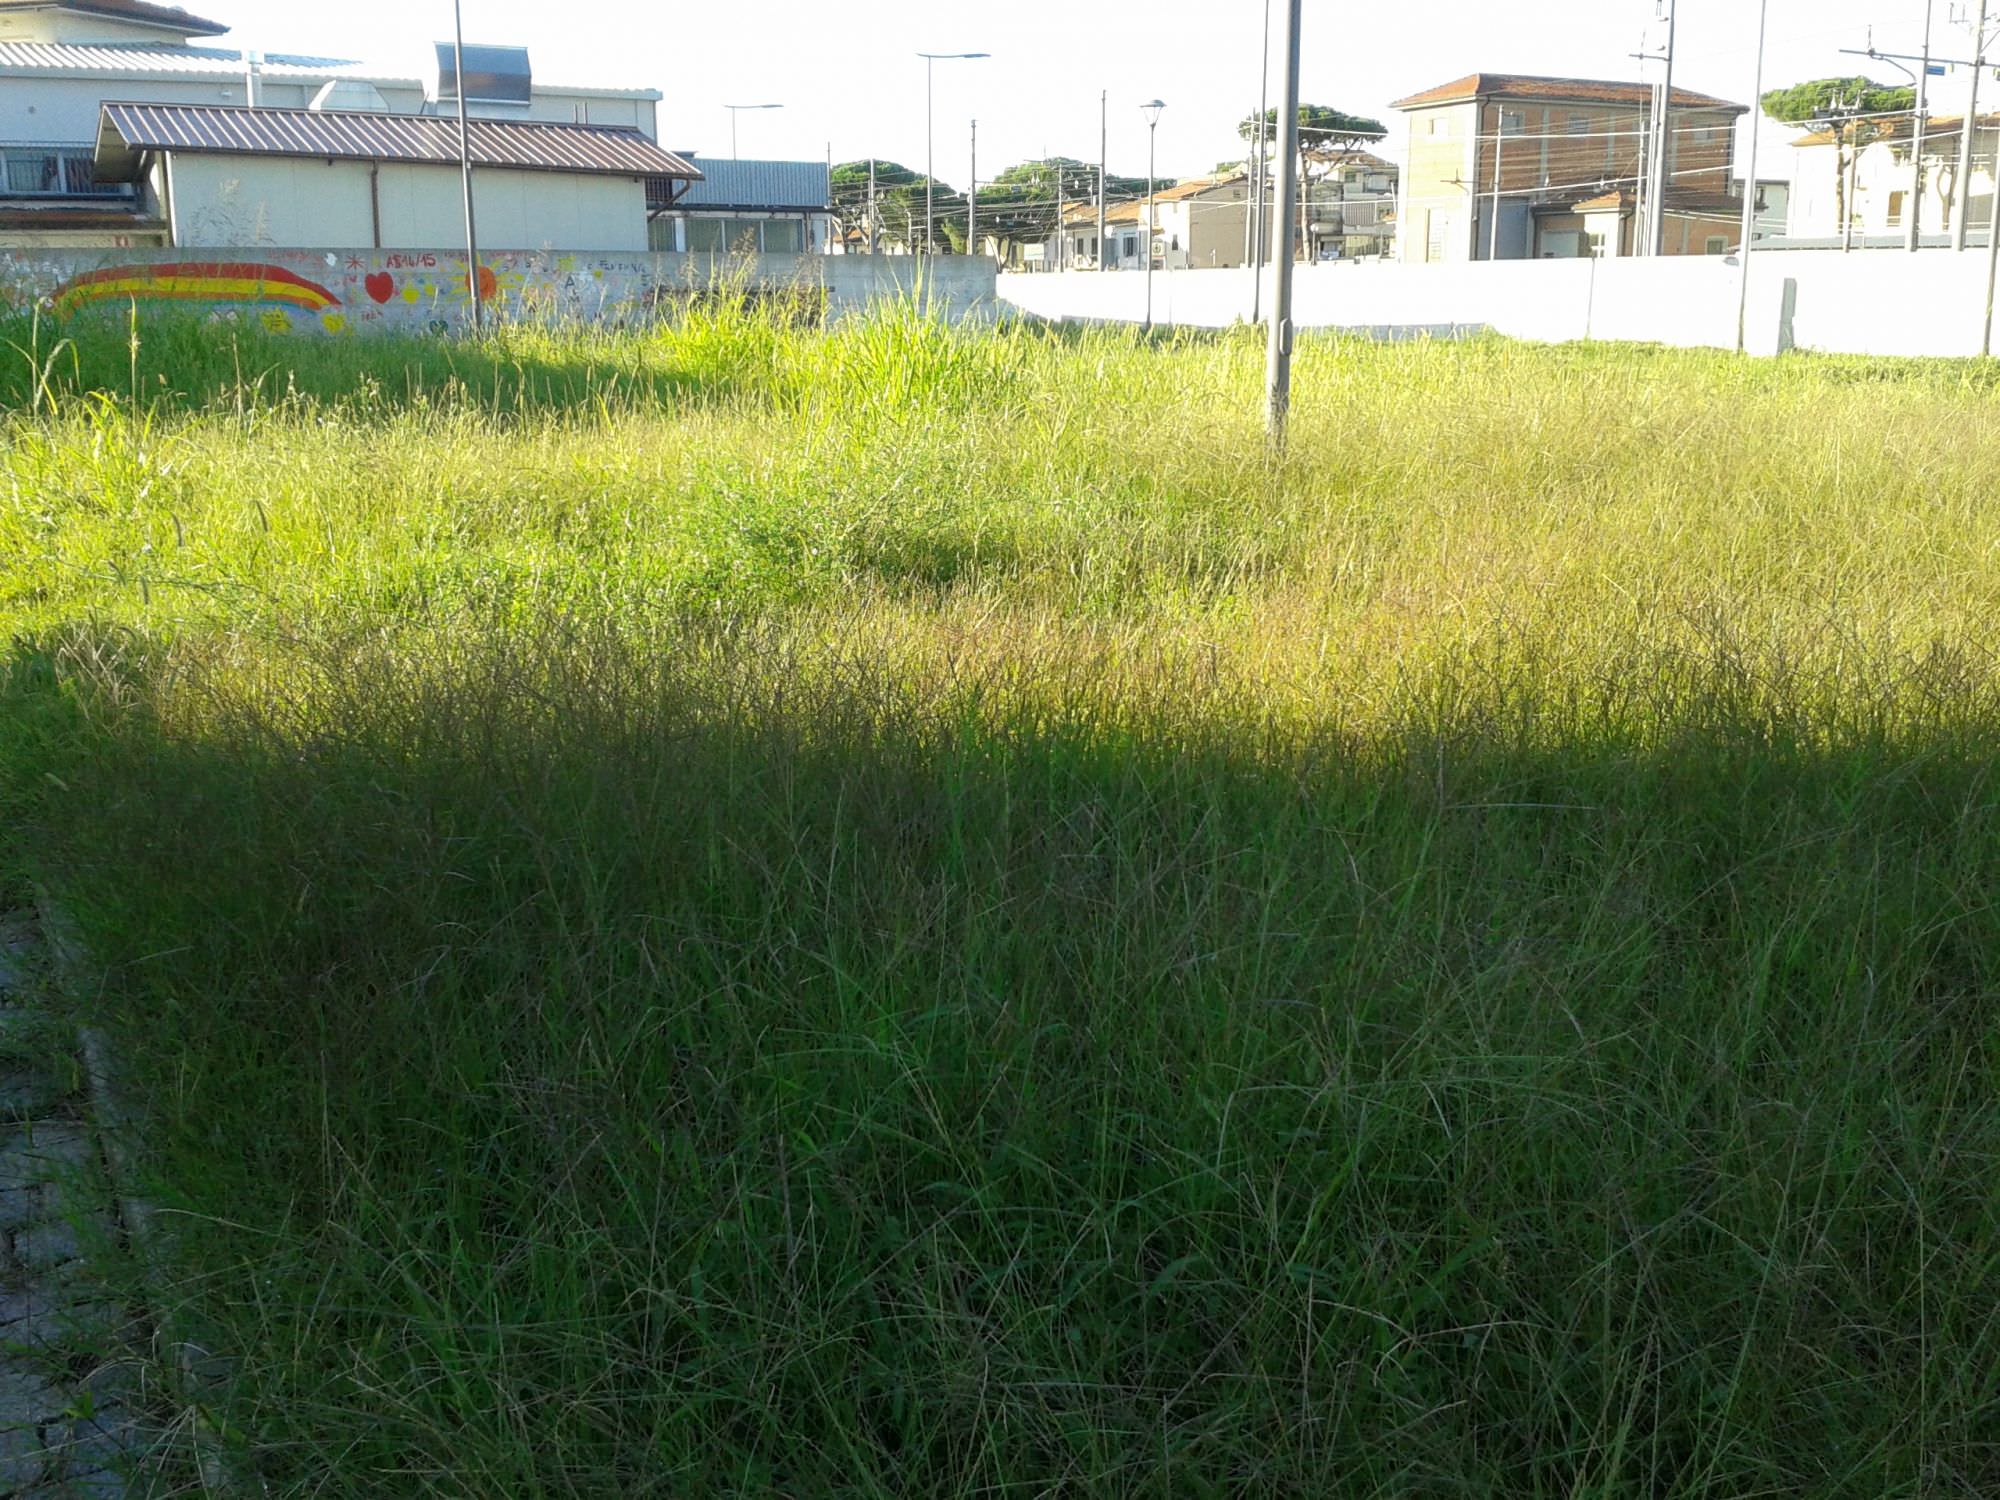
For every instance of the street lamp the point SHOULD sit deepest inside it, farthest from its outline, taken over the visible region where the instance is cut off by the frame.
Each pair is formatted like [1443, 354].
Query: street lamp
[931, 60]
[1152, 113]
[734, 111]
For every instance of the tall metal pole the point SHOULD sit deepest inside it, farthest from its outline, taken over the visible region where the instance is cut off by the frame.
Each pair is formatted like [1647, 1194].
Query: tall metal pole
[1847, 195]
[1663, 168]
[1260, 248]
[930, 149]
[465, 169]
[972, 198]
[874, 229]
[1062, 217]
[1152, 112]
[1103, 161]
[1278, 383]
[1919, 139]
[1499, 144]
[1964, 184]
[1750, 189]
[1992, 279]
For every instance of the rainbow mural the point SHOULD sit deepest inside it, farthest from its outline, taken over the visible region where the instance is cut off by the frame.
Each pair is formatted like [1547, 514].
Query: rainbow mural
[194, 281]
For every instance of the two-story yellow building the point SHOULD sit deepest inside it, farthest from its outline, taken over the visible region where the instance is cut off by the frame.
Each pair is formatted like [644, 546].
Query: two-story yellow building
[1503, 166]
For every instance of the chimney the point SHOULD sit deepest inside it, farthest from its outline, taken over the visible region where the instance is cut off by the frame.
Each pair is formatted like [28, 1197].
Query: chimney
[253, 81]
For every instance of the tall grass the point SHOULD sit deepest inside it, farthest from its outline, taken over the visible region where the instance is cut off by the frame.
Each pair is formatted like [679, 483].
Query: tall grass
[899, 911]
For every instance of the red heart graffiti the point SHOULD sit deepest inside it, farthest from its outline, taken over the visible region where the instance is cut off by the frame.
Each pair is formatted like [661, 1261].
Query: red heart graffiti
[381, 286]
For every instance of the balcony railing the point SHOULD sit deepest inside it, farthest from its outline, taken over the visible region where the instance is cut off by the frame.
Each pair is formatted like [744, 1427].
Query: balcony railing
[55, 172]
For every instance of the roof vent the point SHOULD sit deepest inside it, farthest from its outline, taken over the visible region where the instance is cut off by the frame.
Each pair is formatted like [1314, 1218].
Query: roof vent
[493, 75]
[350, 93]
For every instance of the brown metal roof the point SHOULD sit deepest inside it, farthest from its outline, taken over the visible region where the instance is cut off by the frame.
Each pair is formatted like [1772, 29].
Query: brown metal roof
[170, 16]
[128, 133]
[1557, 90]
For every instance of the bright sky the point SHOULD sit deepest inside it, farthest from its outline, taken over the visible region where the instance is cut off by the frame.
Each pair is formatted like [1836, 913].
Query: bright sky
[848, 75]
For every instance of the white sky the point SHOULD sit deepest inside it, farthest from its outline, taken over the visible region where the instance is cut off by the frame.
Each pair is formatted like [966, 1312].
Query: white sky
[848, 75]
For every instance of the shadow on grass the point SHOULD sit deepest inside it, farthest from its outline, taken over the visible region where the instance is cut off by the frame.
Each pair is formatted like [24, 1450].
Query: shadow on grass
[698, 1067]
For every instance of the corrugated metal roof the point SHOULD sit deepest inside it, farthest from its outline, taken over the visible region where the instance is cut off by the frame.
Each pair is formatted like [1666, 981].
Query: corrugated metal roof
[761, 185]
[128, 132]
[171, 17]
[111, 60]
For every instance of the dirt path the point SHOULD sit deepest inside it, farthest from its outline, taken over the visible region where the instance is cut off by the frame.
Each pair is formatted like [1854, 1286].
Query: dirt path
[70, 1386]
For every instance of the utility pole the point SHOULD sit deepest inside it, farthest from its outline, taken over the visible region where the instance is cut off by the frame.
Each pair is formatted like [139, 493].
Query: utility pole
[1750, 189]
[1152, 114]
[1499, 144]
[1663, 156]
[972, 198]
[1260, 183]
[874, 230]
[465, 169]
[1278, 381]
[1920, 131]
[1103, 160]
[1992, 280]
[1965, 138]
[1062, 216]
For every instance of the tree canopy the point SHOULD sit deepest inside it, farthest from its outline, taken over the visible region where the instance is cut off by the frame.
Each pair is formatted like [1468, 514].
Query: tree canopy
[1821, 98]
[899, 202]
[1322, 128]
[1018, 205]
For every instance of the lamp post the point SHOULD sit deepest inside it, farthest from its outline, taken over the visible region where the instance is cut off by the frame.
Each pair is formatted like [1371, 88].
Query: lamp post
[465, 167]
[931, 60]
[734, 111]
[1152, 113]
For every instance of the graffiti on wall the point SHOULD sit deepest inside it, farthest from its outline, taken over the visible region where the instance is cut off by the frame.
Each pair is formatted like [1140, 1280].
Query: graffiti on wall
[346, 292]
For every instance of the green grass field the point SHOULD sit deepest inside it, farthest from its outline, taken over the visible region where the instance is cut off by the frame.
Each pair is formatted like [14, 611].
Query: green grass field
[898, 912]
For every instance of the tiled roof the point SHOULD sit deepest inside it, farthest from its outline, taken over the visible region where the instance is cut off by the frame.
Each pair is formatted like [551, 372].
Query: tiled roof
[1941, 127]
[133, 61]
[169, 16]
[128, 132]
[1679, 200]
[1556, 90]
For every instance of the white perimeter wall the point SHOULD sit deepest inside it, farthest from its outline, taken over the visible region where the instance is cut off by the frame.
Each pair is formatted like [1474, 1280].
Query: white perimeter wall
[285, 202]
[1874, 302]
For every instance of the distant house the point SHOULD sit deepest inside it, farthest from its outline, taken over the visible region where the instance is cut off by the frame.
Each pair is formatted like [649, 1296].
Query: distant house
[759, 207]
[1513, 167]
[1350, 212]
[1860, 180]
[330, 179]
[61, 61]
[1077, 247]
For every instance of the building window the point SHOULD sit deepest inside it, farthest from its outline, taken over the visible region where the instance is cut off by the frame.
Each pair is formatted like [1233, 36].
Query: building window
[1897, 201]
[1718, 244]
[54, 172]
[784, 237]
[1579, 124]
[1512, 122]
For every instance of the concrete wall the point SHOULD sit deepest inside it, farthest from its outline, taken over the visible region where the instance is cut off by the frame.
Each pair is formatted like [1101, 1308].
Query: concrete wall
[343, 291]
[291, 202]
[1877, 302]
